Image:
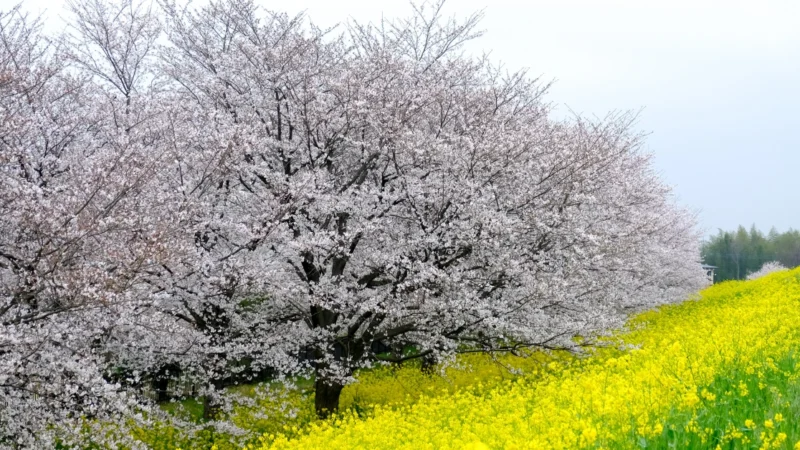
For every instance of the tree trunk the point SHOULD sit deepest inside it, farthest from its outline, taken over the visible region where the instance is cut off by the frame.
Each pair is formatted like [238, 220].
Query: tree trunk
[161, 386]
[211, 404]
[427, 364]
[326, 397]
[210, 408]
[161, 379]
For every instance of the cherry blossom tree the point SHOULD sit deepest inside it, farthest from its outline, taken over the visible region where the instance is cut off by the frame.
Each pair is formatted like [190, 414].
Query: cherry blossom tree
[76, 232]
[434, 203]
[190, 304]
[233, 192]
[766, 269]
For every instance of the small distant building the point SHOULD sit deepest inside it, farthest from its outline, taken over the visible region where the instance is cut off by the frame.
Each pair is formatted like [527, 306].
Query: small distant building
[710, 272]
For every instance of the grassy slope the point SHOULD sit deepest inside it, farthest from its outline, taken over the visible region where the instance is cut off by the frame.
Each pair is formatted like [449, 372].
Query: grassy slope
[704, 374]
[673, 391]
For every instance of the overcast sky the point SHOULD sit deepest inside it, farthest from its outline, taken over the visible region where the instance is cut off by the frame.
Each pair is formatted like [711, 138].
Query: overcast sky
[718, 84]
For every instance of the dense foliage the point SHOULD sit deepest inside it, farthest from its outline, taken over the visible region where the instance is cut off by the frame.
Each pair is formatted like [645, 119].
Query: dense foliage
[739, 253]
[222, 194]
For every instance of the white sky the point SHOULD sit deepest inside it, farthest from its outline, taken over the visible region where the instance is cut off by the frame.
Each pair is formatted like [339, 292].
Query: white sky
[718, 82]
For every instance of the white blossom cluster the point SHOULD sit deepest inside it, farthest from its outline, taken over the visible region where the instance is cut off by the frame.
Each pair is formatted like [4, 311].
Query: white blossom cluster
[230, 193]
[766, 269]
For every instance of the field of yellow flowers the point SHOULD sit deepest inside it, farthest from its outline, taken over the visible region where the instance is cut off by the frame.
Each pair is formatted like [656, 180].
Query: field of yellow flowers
[718, 372]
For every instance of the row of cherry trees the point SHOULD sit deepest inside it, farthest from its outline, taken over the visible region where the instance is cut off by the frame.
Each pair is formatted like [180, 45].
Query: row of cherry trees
[232, 192]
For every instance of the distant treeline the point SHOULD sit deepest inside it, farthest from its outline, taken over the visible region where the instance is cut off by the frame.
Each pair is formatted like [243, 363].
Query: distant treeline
[738, 253]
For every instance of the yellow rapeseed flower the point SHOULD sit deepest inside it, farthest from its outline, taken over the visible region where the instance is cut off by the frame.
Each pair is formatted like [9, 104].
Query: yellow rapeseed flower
[675, 353]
